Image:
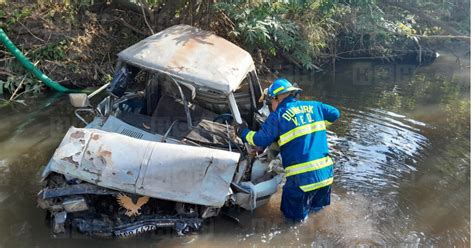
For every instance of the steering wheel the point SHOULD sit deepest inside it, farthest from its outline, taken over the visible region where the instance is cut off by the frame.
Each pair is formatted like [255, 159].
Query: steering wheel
[223, 118]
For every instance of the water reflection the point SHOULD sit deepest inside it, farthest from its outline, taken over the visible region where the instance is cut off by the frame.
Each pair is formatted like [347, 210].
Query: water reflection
[376, 149]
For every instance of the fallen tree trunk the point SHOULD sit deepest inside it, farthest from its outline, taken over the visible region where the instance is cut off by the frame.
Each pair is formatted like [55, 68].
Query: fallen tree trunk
[457, 37]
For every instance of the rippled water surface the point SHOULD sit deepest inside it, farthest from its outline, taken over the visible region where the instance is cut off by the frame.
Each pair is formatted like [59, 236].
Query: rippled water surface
[402, 166]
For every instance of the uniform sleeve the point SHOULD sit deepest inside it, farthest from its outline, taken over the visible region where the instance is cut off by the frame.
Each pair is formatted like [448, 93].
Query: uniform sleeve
[330, 113]
[266, 135]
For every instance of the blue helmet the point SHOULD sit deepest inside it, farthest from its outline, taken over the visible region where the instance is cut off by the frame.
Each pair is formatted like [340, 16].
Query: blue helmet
[281, 86]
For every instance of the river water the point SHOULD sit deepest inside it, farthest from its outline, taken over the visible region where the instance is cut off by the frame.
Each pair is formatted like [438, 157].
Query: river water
[402, 174]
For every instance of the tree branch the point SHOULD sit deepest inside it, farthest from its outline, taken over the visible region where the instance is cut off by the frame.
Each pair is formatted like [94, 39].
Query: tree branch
[425, 17]
[136, 30]
[458, 37]
[142, 5]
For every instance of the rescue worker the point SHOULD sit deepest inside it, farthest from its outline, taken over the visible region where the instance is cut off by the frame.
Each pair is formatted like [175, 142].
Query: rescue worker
[300, 129]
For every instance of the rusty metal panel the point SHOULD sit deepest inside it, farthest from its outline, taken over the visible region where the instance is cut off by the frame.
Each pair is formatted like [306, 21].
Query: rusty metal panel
[182, 173]
[193, 55]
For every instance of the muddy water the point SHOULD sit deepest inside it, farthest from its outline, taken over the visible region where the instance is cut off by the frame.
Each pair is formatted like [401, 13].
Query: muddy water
[402, 166]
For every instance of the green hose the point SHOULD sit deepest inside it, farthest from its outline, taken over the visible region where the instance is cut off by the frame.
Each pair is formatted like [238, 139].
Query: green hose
[29, 66]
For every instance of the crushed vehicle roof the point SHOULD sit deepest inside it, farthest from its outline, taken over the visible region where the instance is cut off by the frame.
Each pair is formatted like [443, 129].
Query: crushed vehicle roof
[193, 55]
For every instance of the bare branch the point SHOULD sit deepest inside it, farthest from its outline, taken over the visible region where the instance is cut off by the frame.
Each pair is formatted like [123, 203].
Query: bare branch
[17, 88]
[28, 30]
[142, 5]
[126, 24]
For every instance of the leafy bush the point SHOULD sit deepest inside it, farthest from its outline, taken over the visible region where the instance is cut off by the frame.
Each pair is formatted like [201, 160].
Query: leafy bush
[26, 84]
[51, 51]
[8, 19]
[264, 26]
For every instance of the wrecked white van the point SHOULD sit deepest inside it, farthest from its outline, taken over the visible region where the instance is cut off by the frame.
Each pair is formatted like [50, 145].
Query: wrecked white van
[160, 150]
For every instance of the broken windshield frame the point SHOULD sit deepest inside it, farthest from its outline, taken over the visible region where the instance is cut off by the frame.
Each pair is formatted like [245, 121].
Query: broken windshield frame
[254, 90]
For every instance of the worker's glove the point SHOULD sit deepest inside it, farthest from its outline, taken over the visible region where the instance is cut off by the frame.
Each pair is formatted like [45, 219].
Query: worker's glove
[273, 150]
[239, 128]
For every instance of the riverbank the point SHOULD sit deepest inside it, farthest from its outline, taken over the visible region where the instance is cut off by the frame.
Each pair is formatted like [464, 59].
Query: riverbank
[76, 44]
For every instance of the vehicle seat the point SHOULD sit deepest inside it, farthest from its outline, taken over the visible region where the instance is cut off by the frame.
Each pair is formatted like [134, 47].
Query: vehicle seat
[173, 109]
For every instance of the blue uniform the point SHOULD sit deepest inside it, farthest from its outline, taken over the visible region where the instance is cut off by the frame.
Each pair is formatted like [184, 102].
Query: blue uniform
[300, 129]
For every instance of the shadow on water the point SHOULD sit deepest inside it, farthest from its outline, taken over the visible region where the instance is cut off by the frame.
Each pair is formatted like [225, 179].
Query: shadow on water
[402, 167]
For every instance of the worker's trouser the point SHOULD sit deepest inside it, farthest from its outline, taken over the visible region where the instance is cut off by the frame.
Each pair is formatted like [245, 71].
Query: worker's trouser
[297, 204]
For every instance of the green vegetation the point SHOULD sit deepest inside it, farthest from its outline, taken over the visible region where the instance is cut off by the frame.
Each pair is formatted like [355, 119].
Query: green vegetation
[16, 16]
[14, 83]
[75, 41]
[263, 28]
[312, 32]
[51, 51]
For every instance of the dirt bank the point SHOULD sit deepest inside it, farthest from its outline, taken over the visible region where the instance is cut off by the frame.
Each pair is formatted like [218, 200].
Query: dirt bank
[75, 47]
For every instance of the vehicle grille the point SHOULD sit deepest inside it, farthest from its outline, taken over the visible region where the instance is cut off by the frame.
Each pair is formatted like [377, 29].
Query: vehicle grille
[131, 133]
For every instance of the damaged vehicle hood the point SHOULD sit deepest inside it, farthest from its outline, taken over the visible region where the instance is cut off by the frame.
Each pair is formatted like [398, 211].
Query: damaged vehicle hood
[182, 173]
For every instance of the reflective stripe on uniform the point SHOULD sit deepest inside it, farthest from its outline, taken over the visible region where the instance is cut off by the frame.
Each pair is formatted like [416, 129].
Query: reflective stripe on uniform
[317, 185]
[300, 131]
[249, 137]
[328, 123]
[308, 166]
[278, 89]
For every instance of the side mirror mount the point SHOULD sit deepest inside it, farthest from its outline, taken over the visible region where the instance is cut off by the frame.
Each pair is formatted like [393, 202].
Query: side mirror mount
[79, 100]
